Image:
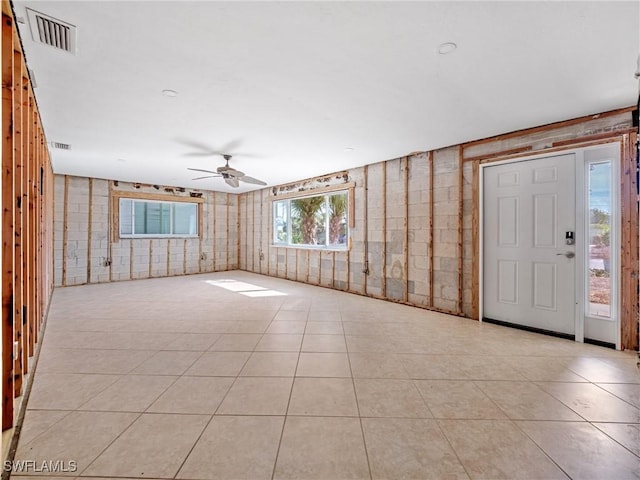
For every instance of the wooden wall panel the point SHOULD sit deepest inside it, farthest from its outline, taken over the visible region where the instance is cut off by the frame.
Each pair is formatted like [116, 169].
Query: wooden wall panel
[27, 221]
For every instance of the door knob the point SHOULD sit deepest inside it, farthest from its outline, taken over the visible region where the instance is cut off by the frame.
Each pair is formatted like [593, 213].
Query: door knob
[567, 254]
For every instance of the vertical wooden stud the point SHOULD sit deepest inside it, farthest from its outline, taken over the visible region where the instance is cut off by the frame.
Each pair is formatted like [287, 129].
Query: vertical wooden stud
[131, 256]
[365, 229]
[383, 249]
[168, 256]
[215, 216]
[150, 273]
[18, 171]
[24, 192]
[405, 248]
[7, 223]
[333, 269]
[431, 232]
[475, 240]
[460, 228]
[228, 239]
[65, 227]
[200, 234]
[184, 257]
[253, 231]
[90, 229]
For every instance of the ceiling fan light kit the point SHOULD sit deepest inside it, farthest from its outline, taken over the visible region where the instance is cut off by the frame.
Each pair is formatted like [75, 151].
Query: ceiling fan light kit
[231, 176]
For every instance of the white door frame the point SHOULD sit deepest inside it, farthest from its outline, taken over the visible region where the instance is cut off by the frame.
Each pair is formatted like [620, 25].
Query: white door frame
[580, 246]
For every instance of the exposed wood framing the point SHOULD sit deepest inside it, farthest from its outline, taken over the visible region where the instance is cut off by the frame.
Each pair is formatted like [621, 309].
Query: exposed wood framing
[113, 229]
[316, 191]
[286, 263]
[333, 269]
[27, 315]
[31, 241]
[227, 234]
[27, 325]
[131, 256]
[351, 198]
[260, 257]
[431, 228]
[405, 247]
[184, 257]
[550, 126]
[27, 222]
[200, 234]
[238, 218]
[629, 244]
[18, 169]
[493, 155]
[163, 197]
[151, 257]
[591, 138]
[304, 183]
[7, 223]
[90, 229]
[383, 248]
[475, 241]
[168, 255]
[65, 228]
[215, 215]
[308, 265]
[269, 238]
[460, 227]
[365, 229]
[348, 284]
[253, 231]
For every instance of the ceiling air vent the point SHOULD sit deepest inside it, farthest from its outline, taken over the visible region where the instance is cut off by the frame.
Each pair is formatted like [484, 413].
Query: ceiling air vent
[52, 32]
[61, 146]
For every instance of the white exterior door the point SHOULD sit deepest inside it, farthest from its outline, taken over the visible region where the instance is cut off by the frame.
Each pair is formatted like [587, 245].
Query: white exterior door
[528, 269]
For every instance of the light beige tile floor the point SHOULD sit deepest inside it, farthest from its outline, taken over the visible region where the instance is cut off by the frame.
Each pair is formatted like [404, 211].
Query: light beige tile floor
[181, 378]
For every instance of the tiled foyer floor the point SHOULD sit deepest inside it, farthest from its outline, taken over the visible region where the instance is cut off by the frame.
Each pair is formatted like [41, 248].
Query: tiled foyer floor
[182, 378]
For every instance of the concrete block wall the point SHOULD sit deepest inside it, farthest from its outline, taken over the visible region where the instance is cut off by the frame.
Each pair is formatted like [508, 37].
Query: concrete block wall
[82, 249]
[237, 230]
[439, 231]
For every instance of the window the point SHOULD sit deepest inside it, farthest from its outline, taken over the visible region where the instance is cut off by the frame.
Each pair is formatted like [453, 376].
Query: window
[153, 218]
[314, 221]
[599, 198]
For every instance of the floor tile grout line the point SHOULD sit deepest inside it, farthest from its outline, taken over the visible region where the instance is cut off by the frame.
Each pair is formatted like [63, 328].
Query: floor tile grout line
[355, 393]
[213, 415]
[455, 452]
[541, 449]
[109, 444]
[616, 441]
[286, 413]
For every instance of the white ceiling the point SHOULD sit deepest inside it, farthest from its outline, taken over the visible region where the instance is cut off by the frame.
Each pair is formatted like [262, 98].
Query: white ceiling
[293, 84]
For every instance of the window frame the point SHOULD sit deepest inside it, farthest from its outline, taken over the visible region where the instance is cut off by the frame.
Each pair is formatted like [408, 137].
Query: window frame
[149, 197]
[326, 193]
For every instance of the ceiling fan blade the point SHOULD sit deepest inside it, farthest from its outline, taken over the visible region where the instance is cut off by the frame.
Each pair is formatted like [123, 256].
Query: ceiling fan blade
[232, 181]
[249, 179]
[208, 176]
[229, 147]
[199, 154]
[235, 173]
[195, 144]
[201, 170]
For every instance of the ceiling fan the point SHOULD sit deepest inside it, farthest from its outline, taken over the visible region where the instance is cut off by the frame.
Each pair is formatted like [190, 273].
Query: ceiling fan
[231, 176]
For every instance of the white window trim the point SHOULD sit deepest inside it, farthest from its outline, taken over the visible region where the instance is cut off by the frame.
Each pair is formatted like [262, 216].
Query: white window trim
[156, 235]
[326, 246]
